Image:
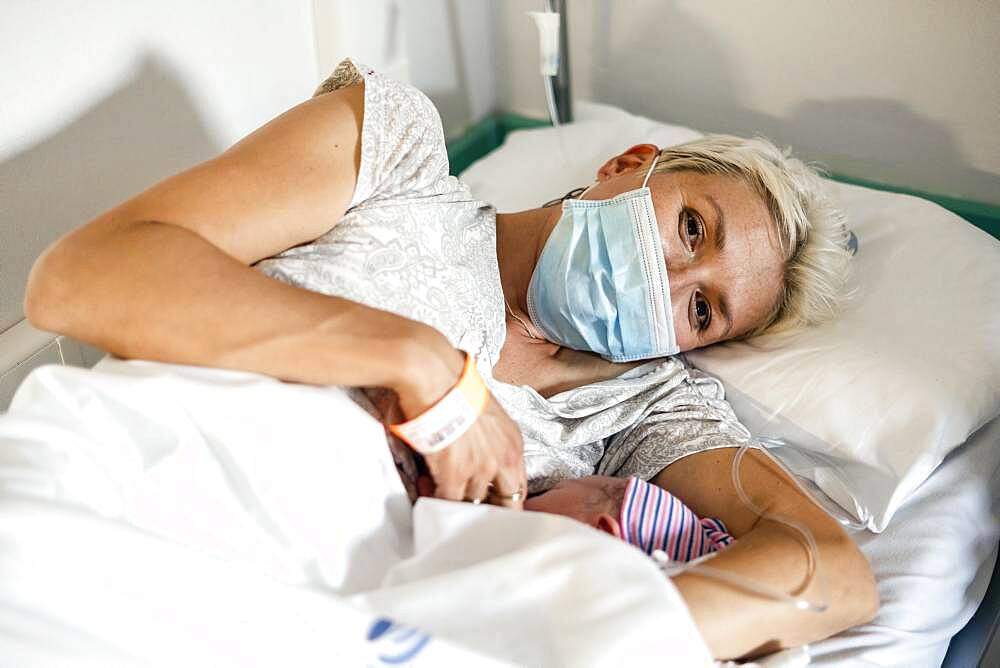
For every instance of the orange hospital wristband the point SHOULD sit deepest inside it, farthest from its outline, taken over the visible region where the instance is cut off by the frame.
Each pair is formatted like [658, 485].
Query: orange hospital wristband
[444, 423]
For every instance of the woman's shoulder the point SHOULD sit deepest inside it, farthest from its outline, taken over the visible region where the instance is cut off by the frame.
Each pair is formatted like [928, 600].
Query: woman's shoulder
[403, 151]
[409, 101]
[345, 74]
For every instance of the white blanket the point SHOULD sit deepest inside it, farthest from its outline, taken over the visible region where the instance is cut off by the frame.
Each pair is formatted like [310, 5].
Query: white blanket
[157, 514]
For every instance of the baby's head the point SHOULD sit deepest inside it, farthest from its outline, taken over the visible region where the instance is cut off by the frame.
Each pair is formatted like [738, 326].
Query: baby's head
[636, 511]
[595, 500]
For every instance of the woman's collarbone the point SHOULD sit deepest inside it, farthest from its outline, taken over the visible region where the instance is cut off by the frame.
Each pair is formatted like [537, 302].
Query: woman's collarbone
[549, 368]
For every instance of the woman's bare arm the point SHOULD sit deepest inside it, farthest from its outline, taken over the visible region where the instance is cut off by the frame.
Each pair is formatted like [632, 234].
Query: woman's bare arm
[735, 623]
[166, 276]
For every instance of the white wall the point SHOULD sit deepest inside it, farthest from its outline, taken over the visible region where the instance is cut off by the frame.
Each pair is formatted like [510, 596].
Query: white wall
[905, 92]
[446, 48]
[451, 45]
[370, 32]
[99, 100]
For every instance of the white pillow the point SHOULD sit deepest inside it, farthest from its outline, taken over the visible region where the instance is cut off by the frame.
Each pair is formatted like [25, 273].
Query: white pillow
[872, 402]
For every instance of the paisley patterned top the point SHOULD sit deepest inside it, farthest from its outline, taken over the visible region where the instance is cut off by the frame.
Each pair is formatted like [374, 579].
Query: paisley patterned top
[415, 242]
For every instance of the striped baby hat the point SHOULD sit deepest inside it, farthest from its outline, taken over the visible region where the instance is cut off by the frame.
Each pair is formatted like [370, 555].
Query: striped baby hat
[654, 519]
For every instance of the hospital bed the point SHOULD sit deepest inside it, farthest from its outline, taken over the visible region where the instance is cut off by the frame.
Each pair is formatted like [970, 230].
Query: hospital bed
[934, 563]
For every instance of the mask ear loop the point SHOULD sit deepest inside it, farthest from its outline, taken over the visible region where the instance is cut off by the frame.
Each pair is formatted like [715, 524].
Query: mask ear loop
[572, 193]
[651, 168]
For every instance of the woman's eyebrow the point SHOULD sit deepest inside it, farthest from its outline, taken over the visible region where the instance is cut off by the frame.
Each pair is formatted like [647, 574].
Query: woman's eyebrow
[720, 225]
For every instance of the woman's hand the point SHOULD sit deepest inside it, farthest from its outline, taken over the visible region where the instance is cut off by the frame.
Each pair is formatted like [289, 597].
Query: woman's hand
[487, 461]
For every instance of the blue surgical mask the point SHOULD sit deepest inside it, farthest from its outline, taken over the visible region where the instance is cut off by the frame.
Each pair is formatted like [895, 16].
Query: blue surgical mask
[601, 285]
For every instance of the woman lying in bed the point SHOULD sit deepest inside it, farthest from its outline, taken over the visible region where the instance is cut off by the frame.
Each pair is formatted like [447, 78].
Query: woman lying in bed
[520, 349]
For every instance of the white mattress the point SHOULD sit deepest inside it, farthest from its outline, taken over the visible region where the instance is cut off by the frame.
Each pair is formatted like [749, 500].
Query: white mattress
[933, 563]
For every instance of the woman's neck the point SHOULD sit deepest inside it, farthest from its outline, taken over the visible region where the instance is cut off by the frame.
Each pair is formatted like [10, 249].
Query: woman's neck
[520, 239]
[527, 357]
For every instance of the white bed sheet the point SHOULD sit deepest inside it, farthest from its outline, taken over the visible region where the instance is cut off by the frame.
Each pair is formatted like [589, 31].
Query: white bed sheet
[156, 514]
[933, 563]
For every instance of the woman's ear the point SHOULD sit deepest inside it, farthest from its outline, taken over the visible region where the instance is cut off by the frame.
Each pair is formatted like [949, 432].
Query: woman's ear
[608, 524]
[631, 160]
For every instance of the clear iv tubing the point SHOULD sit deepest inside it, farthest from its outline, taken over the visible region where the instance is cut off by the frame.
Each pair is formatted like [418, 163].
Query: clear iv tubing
[550, 100]
[672, 568]
[845, 521]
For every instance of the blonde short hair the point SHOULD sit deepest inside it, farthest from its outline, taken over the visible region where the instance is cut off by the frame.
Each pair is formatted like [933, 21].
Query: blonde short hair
[811, 230]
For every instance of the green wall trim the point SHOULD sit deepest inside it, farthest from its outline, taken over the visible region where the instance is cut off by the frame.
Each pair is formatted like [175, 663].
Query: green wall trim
[984, 216]
[489, 133]
[484, 136]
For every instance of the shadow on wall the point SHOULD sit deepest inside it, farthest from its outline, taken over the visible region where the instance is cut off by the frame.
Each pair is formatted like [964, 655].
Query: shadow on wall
[450, 51]
[675, 70]
[146, 130]
[885, 141]
[453, 105]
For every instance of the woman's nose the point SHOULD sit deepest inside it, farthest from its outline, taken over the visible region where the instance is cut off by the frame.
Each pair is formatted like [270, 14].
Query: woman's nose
[681, 276]
[684, 277]
[679, 285]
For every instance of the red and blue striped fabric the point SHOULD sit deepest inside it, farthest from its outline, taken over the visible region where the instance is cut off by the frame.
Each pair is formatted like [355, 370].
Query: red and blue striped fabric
[654, 519]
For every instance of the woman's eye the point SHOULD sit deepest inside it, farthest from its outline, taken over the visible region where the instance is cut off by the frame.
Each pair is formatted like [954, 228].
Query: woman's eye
[692, 228]
[702, 311]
